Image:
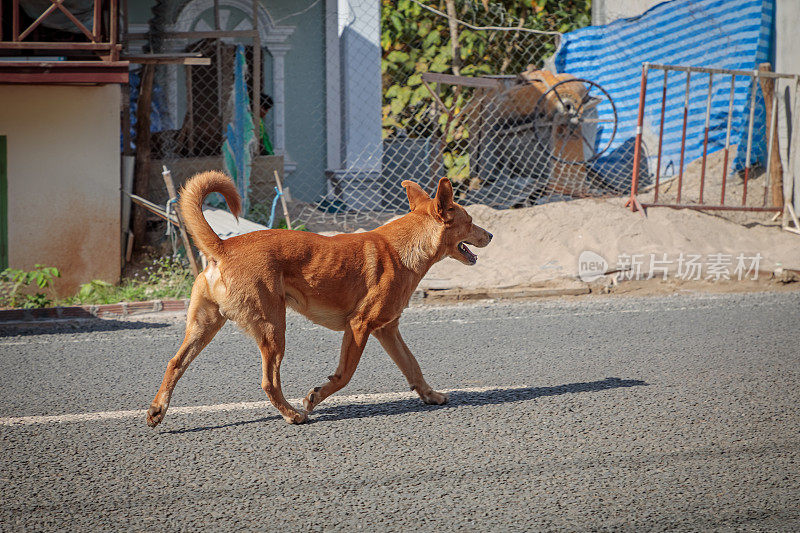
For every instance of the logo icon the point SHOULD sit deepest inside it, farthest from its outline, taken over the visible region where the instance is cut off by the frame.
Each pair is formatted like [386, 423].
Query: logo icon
[591, 266]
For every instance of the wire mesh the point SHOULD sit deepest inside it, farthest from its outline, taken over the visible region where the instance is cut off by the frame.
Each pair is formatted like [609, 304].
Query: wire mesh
[374, 112]
[491, 140]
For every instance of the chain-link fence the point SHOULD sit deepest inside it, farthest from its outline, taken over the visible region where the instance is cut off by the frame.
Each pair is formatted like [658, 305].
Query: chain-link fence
[375, 112]
[462, 93]
[344, 100]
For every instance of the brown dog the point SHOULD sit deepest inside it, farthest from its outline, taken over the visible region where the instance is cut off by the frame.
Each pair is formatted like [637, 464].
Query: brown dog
[357, 283]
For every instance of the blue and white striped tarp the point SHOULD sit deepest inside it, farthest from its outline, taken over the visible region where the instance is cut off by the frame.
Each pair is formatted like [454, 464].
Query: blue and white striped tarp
[727, 34]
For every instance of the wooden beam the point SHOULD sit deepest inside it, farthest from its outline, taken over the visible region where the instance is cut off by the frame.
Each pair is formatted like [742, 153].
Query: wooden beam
[63, 72]
[184, 236]
[142, 172]
[775, 166]
[39, 45]
[468, 81]
[188, 58]
[212, 34]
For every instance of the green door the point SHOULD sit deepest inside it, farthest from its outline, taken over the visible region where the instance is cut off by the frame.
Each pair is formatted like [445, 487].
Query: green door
[3, 205]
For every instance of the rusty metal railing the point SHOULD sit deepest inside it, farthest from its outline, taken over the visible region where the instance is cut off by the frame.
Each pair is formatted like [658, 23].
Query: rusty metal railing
[105, 12]
[772, 155]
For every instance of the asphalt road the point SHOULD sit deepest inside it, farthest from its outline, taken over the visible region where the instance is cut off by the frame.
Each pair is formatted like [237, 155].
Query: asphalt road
[676, 413]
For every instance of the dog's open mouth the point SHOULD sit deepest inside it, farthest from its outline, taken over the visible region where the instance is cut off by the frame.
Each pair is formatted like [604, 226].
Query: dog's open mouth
[467, 253]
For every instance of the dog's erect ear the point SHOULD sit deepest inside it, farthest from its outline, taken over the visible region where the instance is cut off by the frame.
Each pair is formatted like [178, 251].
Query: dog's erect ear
[415, 194]
[444, 199]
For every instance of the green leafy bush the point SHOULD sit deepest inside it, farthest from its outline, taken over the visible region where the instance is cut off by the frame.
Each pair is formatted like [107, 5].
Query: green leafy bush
[415, 40]
[14, 281]
[163, 278]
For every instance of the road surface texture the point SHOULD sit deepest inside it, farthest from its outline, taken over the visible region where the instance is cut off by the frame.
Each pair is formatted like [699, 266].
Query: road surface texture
[669, 413]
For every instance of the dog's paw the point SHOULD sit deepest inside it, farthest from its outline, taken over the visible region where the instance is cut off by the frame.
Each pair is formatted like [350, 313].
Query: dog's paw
[155, 415]
[434, 398]
[312, 399]
[299, 417]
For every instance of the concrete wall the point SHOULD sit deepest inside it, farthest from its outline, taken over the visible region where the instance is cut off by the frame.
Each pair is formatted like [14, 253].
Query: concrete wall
[786, 52]
[607, 11]
[63, 180]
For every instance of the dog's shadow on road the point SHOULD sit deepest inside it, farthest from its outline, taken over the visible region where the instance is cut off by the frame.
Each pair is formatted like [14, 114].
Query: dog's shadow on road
[457, 399]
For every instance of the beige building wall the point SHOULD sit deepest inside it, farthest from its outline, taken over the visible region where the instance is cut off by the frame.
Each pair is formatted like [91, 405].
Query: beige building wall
[63, 179]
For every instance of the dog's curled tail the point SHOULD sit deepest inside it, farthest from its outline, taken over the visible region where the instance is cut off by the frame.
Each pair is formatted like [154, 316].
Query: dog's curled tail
[191, 203]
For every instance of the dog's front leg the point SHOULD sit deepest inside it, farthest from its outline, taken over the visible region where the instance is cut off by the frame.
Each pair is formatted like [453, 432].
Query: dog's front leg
[355, 338]
[392, 342]
[272, 344]
[203, 321]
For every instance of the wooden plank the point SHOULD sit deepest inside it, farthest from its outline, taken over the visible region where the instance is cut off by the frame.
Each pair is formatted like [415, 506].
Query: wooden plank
[189, 58]
[142, 172]
[15, 21]
[467, 81]
[283, 200]
[184, 236]
[89, 65]
[47, 12]
[63, 77]
[775, 166]
[212, 34]
[39, 45]
[63, 72]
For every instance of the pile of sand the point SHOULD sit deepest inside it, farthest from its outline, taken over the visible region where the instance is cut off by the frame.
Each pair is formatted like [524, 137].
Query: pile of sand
[543, 243]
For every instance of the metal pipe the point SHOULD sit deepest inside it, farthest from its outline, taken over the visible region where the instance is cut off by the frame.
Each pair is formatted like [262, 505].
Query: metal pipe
[661, 133]
[715, 207]
[705, 139]
[705, 70]
[637, 150]
[727, 139]
[683, 135]
[753, 84]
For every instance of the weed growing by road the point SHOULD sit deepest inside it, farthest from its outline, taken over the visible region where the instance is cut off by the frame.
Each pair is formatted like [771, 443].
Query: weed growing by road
[15, 281]
[162, 278]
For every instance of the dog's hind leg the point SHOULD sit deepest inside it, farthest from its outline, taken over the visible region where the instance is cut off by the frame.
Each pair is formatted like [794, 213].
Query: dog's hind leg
[203, 321]
[355, 338]
[392, 342]
[271, 340]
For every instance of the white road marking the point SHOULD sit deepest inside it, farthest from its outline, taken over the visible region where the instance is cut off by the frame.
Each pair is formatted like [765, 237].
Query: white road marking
[355, 399]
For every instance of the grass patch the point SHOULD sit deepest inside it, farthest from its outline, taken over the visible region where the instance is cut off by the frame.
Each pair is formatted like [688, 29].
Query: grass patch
[162, 278]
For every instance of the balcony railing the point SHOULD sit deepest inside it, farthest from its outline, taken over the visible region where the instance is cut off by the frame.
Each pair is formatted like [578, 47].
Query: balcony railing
[101, 39]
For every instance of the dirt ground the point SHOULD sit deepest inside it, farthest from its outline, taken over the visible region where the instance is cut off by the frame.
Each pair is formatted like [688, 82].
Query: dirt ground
[542, 244]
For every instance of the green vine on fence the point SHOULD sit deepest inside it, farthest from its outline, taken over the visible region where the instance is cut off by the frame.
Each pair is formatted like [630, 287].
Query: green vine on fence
[415, 40]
